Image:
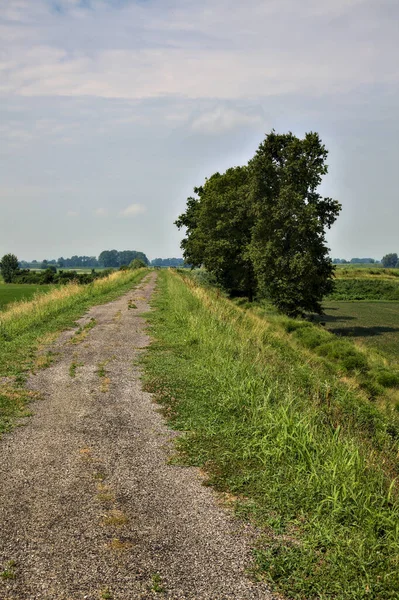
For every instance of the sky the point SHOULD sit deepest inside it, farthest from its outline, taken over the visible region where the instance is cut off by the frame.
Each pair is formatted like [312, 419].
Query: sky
[111, 111]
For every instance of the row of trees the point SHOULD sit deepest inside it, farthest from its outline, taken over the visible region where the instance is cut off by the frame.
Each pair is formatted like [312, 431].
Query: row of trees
[355, 261]
[168, 262]
[260, 228]
[388, 261]
[12, 273]
[107, 258]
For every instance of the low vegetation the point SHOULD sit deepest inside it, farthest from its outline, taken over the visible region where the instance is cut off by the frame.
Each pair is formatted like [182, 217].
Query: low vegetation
[273, 410]
[26, 325]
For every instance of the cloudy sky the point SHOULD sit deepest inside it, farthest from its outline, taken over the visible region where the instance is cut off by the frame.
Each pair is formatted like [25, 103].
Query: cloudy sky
[111, 111]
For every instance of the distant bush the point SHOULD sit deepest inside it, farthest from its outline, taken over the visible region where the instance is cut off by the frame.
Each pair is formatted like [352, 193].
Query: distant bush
[137, 263]
[388, 379]
[60, 278]
[345, 354]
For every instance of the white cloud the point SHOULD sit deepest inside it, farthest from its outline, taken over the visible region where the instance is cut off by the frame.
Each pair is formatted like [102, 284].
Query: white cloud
[212, 49]
[133, 210]
[222, 119]
[72, 213]
[100, 212]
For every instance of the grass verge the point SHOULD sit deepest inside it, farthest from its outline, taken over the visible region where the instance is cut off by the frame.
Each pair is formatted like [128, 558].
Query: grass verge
[306, 455]
[27, 326]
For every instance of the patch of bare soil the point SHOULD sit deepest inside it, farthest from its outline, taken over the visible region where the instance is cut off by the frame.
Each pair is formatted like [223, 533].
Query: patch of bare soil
[89, 506]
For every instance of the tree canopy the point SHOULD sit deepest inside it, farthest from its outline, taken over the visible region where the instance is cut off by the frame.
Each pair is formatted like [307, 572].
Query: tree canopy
[9, 267]
[261, 228]
[115, 258]
[390, 260]
[218, 225]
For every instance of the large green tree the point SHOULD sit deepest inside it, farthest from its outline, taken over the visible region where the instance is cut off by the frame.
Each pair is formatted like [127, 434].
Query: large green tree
[9, 267]
[288, 248]
[218, 226]
[390, 260]
[262, 227]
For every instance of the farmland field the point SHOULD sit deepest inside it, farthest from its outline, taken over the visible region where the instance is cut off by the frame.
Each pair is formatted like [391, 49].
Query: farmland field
[375, 324]
[11, 292]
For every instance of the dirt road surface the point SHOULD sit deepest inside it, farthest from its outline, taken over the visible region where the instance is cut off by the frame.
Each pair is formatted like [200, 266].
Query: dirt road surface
[89, 506]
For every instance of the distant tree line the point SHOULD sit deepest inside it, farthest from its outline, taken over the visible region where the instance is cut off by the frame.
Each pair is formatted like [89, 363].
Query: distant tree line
[355, 261]
[388, 261]
[12, 273]
[260, 228]
[168, 262]
[108, 258]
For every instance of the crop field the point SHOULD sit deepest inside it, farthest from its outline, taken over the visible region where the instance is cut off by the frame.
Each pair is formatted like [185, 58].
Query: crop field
[12, 292]
[375, 324]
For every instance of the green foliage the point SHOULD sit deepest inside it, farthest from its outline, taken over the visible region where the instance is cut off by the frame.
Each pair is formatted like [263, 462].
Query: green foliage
[115, 258]
[390, 260]
[303, 453]
[219, 230]
[260, 229]
[205, 278]
[288, 249]
[60, 278]
[169, 262]
[137, 263]
[9, 267]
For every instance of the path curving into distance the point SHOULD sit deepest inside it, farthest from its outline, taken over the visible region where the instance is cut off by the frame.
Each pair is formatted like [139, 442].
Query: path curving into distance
[89, 506]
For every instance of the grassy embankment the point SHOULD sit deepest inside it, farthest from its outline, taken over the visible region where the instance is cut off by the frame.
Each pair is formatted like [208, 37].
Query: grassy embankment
[27, 327]
[288, 432]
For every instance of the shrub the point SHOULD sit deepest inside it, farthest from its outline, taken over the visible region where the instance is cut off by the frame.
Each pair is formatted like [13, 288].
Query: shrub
[137, 263]
[312, 336]
[389, 379]
[347, 356]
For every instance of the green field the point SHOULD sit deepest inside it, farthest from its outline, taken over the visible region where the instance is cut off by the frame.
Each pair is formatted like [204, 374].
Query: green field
[375, 324]
[11, 292]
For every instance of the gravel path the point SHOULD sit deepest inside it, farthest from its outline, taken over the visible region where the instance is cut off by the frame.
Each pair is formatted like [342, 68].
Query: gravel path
[89, 507]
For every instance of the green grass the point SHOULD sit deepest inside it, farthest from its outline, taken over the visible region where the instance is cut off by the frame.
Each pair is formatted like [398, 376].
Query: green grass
[368, 271]
[307, 457]
[13, 292]
[373, 324]
[27, 327]
[365, 289]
